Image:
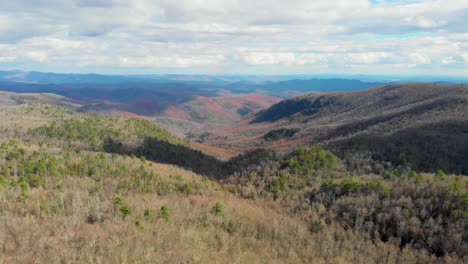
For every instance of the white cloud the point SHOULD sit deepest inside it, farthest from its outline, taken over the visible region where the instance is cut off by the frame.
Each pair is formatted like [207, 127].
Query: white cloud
[312, 58]
[36, 55]
[7, 59]
[268, 58]
[448, 60]
[368, 57]
[171, 61]
[13, 29]
[299, 34]
[418, 58]
[100, 3]
[465, 57]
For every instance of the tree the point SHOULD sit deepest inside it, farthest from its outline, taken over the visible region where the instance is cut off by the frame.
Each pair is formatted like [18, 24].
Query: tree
[441, 175]
[217, 208]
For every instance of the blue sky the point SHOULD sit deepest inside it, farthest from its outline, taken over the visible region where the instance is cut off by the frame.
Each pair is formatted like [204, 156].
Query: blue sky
[236, 36]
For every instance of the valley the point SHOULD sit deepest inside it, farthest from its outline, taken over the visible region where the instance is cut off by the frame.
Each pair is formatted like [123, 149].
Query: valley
[203, 114]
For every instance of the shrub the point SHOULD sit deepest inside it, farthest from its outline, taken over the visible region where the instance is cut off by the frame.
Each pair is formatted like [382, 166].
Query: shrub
[3, 182]
[24, 189]
[187, 189]
[118, 200]
[34, 180]
[148, 214]
[164, 213]
[43, 208]
[13, 183]
[278, 185]
[125, 211]
[441, 175]
[138, 224]
[217, 208]
[410, 173]
[59, 187]
[205, 181]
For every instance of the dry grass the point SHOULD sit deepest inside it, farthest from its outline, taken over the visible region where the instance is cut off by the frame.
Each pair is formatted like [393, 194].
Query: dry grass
[246, 232]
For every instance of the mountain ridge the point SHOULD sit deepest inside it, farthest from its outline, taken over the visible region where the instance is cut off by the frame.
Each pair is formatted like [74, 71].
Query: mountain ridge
[328, 118]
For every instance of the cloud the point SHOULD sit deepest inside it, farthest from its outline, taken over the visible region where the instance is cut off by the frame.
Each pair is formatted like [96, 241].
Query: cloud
[36, 55]
[368, 57]
[100, 3]
[13, 29]
[418, 58]
[298, 35]
[448, 60]
[171, 61]
[268, 58]
[465, 57]
[5, 59]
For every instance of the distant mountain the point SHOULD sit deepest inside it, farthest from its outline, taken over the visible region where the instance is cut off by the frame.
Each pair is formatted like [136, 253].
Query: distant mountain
[139, 98]
[152, 95]
[318, 85]
[56, 78]
[73, 78]
[235, 81]
[8, 99]
[422, 125]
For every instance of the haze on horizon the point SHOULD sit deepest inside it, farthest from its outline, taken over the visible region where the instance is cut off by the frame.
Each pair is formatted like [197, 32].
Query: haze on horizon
[398, 37]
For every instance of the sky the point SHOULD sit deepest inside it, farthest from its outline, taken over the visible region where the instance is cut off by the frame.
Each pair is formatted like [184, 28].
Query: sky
[398, 37]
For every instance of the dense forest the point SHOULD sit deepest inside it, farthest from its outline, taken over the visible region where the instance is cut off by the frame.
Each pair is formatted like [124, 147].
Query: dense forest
[442, 145]
[402, 207]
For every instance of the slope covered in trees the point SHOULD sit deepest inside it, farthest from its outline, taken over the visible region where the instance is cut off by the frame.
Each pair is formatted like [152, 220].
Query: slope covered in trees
[418, 125]
[79, 188]
[400, 207]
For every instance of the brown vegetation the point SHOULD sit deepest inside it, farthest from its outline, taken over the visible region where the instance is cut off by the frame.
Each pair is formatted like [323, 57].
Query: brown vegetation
[64, 200]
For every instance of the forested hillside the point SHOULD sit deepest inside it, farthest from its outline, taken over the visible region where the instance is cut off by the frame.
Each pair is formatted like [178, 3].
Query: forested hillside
[421, 125]
[78, 188]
